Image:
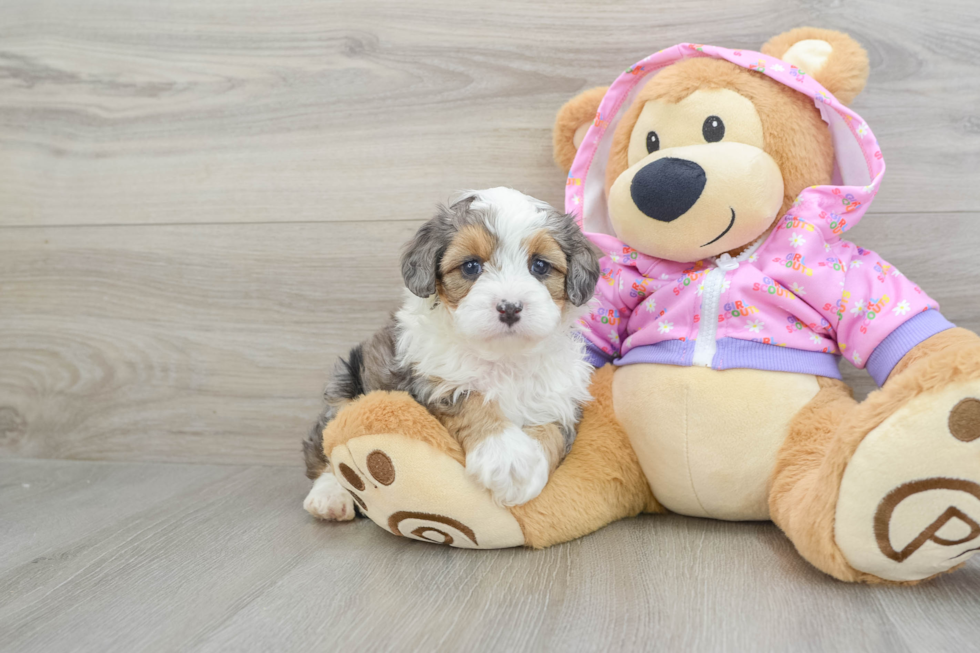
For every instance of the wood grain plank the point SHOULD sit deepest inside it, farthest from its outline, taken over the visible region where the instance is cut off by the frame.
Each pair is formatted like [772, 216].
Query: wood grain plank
[131, 111]
[211, 343]
[81, 499]
[235, 564]
[207, 344]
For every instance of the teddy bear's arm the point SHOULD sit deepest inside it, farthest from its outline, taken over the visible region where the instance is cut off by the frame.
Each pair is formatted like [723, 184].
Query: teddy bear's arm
[883, 315]
[610, 309]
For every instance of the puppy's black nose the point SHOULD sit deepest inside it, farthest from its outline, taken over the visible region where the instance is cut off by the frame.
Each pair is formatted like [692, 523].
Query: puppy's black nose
[509, 312]
[667, 188]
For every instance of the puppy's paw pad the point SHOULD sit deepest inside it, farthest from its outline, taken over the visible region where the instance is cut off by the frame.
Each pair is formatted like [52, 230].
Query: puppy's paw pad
[329, 501]
[512, 465]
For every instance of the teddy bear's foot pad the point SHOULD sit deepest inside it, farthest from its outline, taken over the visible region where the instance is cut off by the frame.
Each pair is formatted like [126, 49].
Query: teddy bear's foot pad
[410, 489]
[909, 504]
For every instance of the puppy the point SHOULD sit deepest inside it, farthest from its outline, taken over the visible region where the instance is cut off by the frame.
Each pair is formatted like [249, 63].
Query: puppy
[487, 340]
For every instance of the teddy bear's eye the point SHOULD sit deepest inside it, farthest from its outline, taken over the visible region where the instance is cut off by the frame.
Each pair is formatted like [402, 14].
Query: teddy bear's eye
[653, 142]
[713, 129]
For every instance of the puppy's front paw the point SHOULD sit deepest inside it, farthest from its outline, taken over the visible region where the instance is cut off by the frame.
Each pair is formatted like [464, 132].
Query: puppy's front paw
[328, 500]
[512, 465]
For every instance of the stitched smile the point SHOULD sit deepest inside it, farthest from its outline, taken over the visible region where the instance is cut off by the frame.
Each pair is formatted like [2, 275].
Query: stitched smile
[727, 229]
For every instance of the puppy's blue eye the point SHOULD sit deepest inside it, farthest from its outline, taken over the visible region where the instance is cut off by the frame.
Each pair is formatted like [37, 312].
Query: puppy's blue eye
[471, 269]
[540, 267]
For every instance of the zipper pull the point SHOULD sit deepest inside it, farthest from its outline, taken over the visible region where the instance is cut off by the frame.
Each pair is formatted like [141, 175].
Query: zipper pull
[726, 262]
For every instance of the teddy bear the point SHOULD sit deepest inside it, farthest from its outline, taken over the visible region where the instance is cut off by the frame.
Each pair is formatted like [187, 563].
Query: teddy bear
[720, 185]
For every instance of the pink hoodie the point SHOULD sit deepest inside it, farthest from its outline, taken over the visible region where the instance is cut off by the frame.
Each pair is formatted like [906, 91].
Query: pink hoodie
[795, 301]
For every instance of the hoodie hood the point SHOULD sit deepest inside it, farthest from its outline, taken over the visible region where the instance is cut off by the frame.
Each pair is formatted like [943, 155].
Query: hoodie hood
[834, 208]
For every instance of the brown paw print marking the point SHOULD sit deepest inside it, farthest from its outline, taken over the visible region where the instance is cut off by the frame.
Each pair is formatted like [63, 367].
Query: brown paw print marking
[424, 530]
[887, 507]
[964, 420]
[359, 501]
[352, 477]
[381, 468]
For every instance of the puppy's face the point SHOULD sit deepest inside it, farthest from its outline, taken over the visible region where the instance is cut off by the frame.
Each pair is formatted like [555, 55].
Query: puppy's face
[505, 265]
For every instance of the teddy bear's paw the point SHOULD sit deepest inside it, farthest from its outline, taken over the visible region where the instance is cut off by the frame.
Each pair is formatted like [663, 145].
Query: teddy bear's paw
[909, 503]
[411, 489]
[327, 500]
[512, 465]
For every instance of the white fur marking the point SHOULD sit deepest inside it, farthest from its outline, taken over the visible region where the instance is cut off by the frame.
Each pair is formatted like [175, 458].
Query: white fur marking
[328, 500]
[512, 465]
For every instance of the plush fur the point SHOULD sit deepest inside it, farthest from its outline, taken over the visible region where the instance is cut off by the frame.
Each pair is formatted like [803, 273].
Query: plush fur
[844, 74]
[577, 112]
[390, 412]
[828, 431]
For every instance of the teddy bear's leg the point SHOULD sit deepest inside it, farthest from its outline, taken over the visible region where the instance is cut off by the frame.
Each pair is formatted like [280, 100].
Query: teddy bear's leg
[889, 489]
[406, 474]
[599, 482]
[803, 493]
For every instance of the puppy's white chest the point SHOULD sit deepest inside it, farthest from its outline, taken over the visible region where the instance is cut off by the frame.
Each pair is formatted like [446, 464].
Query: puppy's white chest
[526, 397]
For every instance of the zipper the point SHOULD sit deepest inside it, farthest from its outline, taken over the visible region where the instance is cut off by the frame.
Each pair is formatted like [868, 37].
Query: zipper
[714, 281]
[707, 343]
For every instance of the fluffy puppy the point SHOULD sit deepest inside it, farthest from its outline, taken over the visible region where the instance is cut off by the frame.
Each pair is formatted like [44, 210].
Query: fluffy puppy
[486, 340]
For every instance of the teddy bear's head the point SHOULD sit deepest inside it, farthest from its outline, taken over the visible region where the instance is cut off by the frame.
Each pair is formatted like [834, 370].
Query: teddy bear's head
[708, 153]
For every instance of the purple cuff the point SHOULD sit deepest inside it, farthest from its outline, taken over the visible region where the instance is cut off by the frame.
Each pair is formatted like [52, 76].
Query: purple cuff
[595, 356]
[900, 341]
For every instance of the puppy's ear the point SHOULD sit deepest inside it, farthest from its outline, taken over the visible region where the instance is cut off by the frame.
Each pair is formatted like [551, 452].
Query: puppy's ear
[581, 255]
[422, 254]
[572, 122]
[832, 58]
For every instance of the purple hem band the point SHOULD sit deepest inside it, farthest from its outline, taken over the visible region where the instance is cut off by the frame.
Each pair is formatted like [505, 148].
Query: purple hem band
[734, 353]
[899, 342]
[595, 356]
[668, 352]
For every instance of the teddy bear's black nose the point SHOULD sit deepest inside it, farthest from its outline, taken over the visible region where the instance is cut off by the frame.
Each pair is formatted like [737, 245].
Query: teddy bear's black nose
[667, 188]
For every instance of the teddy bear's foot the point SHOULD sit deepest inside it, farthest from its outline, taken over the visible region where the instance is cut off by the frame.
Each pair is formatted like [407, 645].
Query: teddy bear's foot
[411, 489]
[406, 474]
[909, 502]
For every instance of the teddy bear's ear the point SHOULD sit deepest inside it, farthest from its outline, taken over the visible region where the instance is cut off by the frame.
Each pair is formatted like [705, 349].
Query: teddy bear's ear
[832, 58]
[572, 122]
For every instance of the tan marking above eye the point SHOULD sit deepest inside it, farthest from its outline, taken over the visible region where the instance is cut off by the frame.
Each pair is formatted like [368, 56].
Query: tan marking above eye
[470, 242]
[541, 244]
[681, 124]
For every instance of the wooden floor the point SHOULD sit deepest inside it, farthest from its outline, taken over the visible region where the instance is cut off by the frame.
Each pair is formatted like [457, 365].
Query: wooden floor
[201, 205]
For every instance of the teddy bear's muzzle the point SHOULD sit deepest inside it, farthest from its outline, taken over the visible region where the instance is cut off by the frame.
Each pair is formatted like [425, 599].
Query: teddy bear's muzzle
[692, 202]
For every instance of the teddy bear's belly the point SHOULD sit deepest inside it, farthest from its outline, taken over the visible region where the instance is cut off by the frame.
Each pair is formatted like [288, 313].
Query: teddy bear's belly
[707, 440]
